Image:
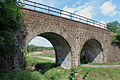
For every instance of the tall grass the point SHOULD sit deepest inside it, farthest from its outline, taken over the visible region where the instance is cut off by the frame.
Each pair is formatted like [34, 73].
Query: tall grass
[21, 75]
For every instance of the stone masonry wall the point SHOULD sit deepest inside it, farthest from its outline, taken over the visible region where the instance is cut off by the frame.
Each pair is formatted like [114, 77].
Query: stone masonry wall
[74, 32]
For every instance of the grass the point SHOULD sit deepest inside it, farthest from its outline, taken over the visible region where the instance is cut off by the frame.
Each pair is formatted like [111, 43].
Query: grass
[84, 73]
[45, 70]
[21, 75]
[35, 60]
[113, 63]
[47, 55]
[57, 73]
[100, 73]
[42, 65]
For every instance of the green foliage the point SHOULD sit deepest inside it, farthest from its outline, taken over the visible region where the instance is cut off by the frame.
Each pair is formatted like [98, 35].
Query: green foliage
[52, 74]
[72, 75]
[45, 67]
[39, 64]
[100, 73]
[57, 73]
[113, 26]
[35, 60]
[21, 75]
[32, 48]
[113, 63]
[10, 21]
[7, 45]
[10, 15]
[116, 38]
[47, 55]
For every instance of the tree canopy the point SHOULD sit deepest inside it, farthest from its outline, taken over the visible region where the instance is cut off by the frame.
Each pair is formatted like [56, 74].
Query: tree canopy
[10, 21]
[33, 48]
[113, 26]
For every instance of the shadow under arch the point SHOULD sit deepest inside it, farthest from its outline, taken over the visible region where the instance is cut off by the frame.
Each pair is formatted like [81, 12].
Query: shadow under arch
[91, 52]
[61, 47]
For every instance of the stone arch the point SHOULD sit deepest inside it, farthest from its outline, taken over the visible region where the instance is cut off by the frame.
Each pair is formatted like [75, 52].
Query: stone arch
[61, 47]
[92, 51]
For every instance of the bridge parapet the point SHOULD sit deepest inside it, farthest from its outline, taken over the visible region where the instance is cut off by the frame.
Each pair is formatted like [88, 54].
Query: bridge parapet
[55, 11]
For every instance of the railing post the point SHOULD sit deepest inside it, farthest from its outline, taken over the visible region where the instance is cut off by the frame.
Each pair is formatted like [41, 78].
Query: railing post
[93, 22]
[80, 19]
[99, 24]
[104, 26]
[70, 15]
[34, 5]
[60, 12]
[48, 9]
[87, 20]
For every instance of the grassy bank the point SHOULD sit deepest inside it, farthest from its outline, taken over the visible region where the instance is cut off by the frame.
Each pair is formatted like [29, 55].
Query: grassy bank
[42, 65]
[113, 63]
[43, 69]
[37, 69]
[57, 73]
[21, 75]
[100, 73]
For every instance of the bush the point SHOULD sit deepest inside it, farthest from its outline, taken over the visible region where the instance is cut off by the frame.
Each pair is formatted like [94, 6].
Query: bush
[116, 39]
[56, 74]
[21, 75]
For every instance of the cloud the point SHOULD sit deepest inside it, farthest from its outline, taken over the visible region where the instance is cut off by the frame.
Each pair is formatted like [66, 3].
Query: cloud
[76, 3]
[82, 7]
[68, 10]
[86, 12]
[108, 8]
[40, 41]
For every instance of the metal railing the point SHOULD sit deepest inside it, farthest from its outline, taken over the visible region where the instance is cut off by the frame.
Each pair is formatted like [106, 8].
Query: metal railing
[62, 13]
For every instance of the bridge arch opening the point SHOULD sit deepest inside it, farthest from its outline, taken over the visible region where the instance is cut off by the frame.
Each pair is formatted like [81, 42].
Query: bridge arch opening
[61, 47]
[91, 52]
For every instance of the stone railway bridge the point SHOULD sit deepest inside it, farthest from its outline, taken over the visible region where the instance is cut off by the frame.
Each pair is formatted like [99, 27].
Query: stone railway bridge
[71, 39]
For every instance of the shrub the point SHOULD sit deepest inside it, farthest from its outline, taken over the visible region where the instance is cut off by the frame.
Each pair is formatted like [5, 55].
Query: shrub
[21, 75]
[116, 38]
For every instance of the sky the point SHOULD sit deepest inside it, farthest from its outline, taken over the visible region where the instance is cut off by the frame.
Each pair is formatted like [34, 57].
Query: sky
[100, 10]
[40, 41]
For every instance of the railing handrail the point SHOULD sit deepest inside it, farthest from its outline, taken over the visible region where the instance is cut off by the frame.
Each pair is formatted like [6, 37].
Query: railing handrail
[63, 12]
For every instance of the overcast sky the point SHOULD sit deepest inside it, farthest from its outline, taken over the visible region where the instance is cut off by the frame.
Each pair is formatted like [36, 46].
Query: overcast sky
[100, 10]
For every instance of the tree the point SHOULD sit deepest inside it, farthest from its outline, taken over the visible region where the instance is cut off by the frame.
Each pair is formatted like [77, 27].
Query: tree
[113, 26]
[10, 22]
[10, 17]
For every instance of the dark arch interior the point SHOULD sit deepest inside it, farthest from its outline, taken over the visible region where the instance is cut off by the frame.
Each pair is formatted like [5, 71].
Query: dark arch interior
[91, 52]
[62, 48]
